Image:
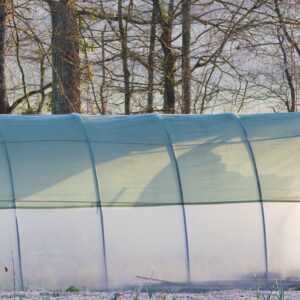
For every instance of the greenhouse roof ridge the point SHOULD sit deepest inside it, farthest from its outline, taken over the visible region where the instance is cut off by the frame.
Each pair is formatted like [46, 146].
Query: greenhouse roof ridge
[278, 114]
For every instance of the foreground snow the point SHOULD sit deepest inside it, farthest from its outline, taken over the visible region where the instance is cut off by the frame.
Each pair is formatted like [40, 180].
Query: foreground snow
[224, 295]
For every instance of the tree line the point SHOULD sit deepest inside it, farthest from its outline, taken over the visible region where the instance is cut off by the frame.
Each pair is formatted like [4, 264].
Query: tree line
[144, 56]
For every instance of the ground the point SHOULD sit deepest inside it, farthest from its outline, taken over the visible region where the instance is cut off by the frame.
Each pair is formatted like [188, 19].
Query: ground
[218, 295]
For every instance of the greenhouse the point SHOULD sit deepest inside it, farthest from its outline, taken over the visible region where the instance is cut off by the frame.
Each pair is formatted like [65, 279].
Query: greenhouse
[106, 202]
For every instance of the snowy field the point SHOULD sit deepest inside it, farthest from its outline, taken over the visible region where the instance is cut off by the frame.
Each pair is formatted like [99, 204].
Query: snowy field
[224, 295]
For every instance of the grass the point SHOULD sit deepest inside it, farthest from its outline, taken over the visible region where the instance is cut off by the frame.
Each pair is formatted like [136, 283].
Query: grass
[275, 293]
[72, 289]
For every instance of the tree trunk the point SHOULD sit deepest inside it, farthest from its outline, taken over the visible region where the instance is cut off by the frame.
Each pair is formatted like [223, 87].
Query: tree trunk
[3, 95]
[103, 83]
[151, 61]
[186, 69]
[65, 57]
[284, 28]
[169, 59]
[42, 79]
[124, 56]
[291, 107]
[16, 39]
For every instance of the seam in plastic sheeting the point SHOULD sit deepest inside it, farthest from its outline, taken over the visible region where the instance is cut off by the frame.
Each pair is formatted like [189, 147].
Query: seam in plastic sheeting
[15, 209]
[253, 161]
[125, 205]
[156, 144]
[77, 204]
[97, 189]
[173, 157]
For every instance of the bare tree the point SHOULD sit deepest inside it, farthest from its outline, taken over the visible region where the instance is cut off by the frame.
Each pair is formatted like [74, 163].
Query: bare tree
[186, 65]
[165, 19]
[167, 56]
[3, 95]
[103, 99]
[124, 55]
[152, 40]
[65, 57]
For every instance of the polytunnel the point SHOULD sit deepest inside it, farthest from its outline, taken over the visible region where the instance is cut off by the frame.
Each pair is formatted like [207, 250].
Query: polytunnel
[106, 202]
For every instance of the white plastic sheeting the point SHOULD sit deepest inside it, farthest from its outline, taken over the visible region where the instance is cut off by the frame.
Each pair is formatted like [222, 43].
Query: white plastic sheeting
[110, 202]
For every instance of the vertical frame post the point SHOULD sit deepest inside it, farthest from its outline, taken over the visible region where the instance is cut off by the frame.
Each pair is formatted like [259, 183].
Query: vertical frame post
[15, 209]
[97, 190]
[253, 161]
[173, 158]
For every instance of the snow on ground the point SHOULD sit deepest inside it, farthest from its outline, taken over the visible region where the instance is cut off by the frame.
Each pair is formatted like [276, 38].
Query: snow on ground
[218, 295]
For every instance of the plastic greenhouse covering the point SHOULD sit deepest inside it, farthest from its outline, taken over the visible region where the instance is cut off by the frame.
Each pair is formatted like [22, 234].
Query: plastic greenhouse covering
[110, 202]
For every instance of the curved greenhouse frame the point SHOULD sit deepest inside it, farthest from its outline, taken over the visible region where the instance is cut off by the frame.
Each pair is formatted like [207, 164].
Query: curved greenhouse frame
[109, 202]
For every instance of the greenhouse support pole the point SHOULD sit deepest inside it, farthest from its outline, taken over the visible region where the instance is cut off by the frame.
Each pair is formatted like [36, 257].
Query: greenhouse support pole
[97, 189]
[250, 150]
[173, 157]
[15, 209]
